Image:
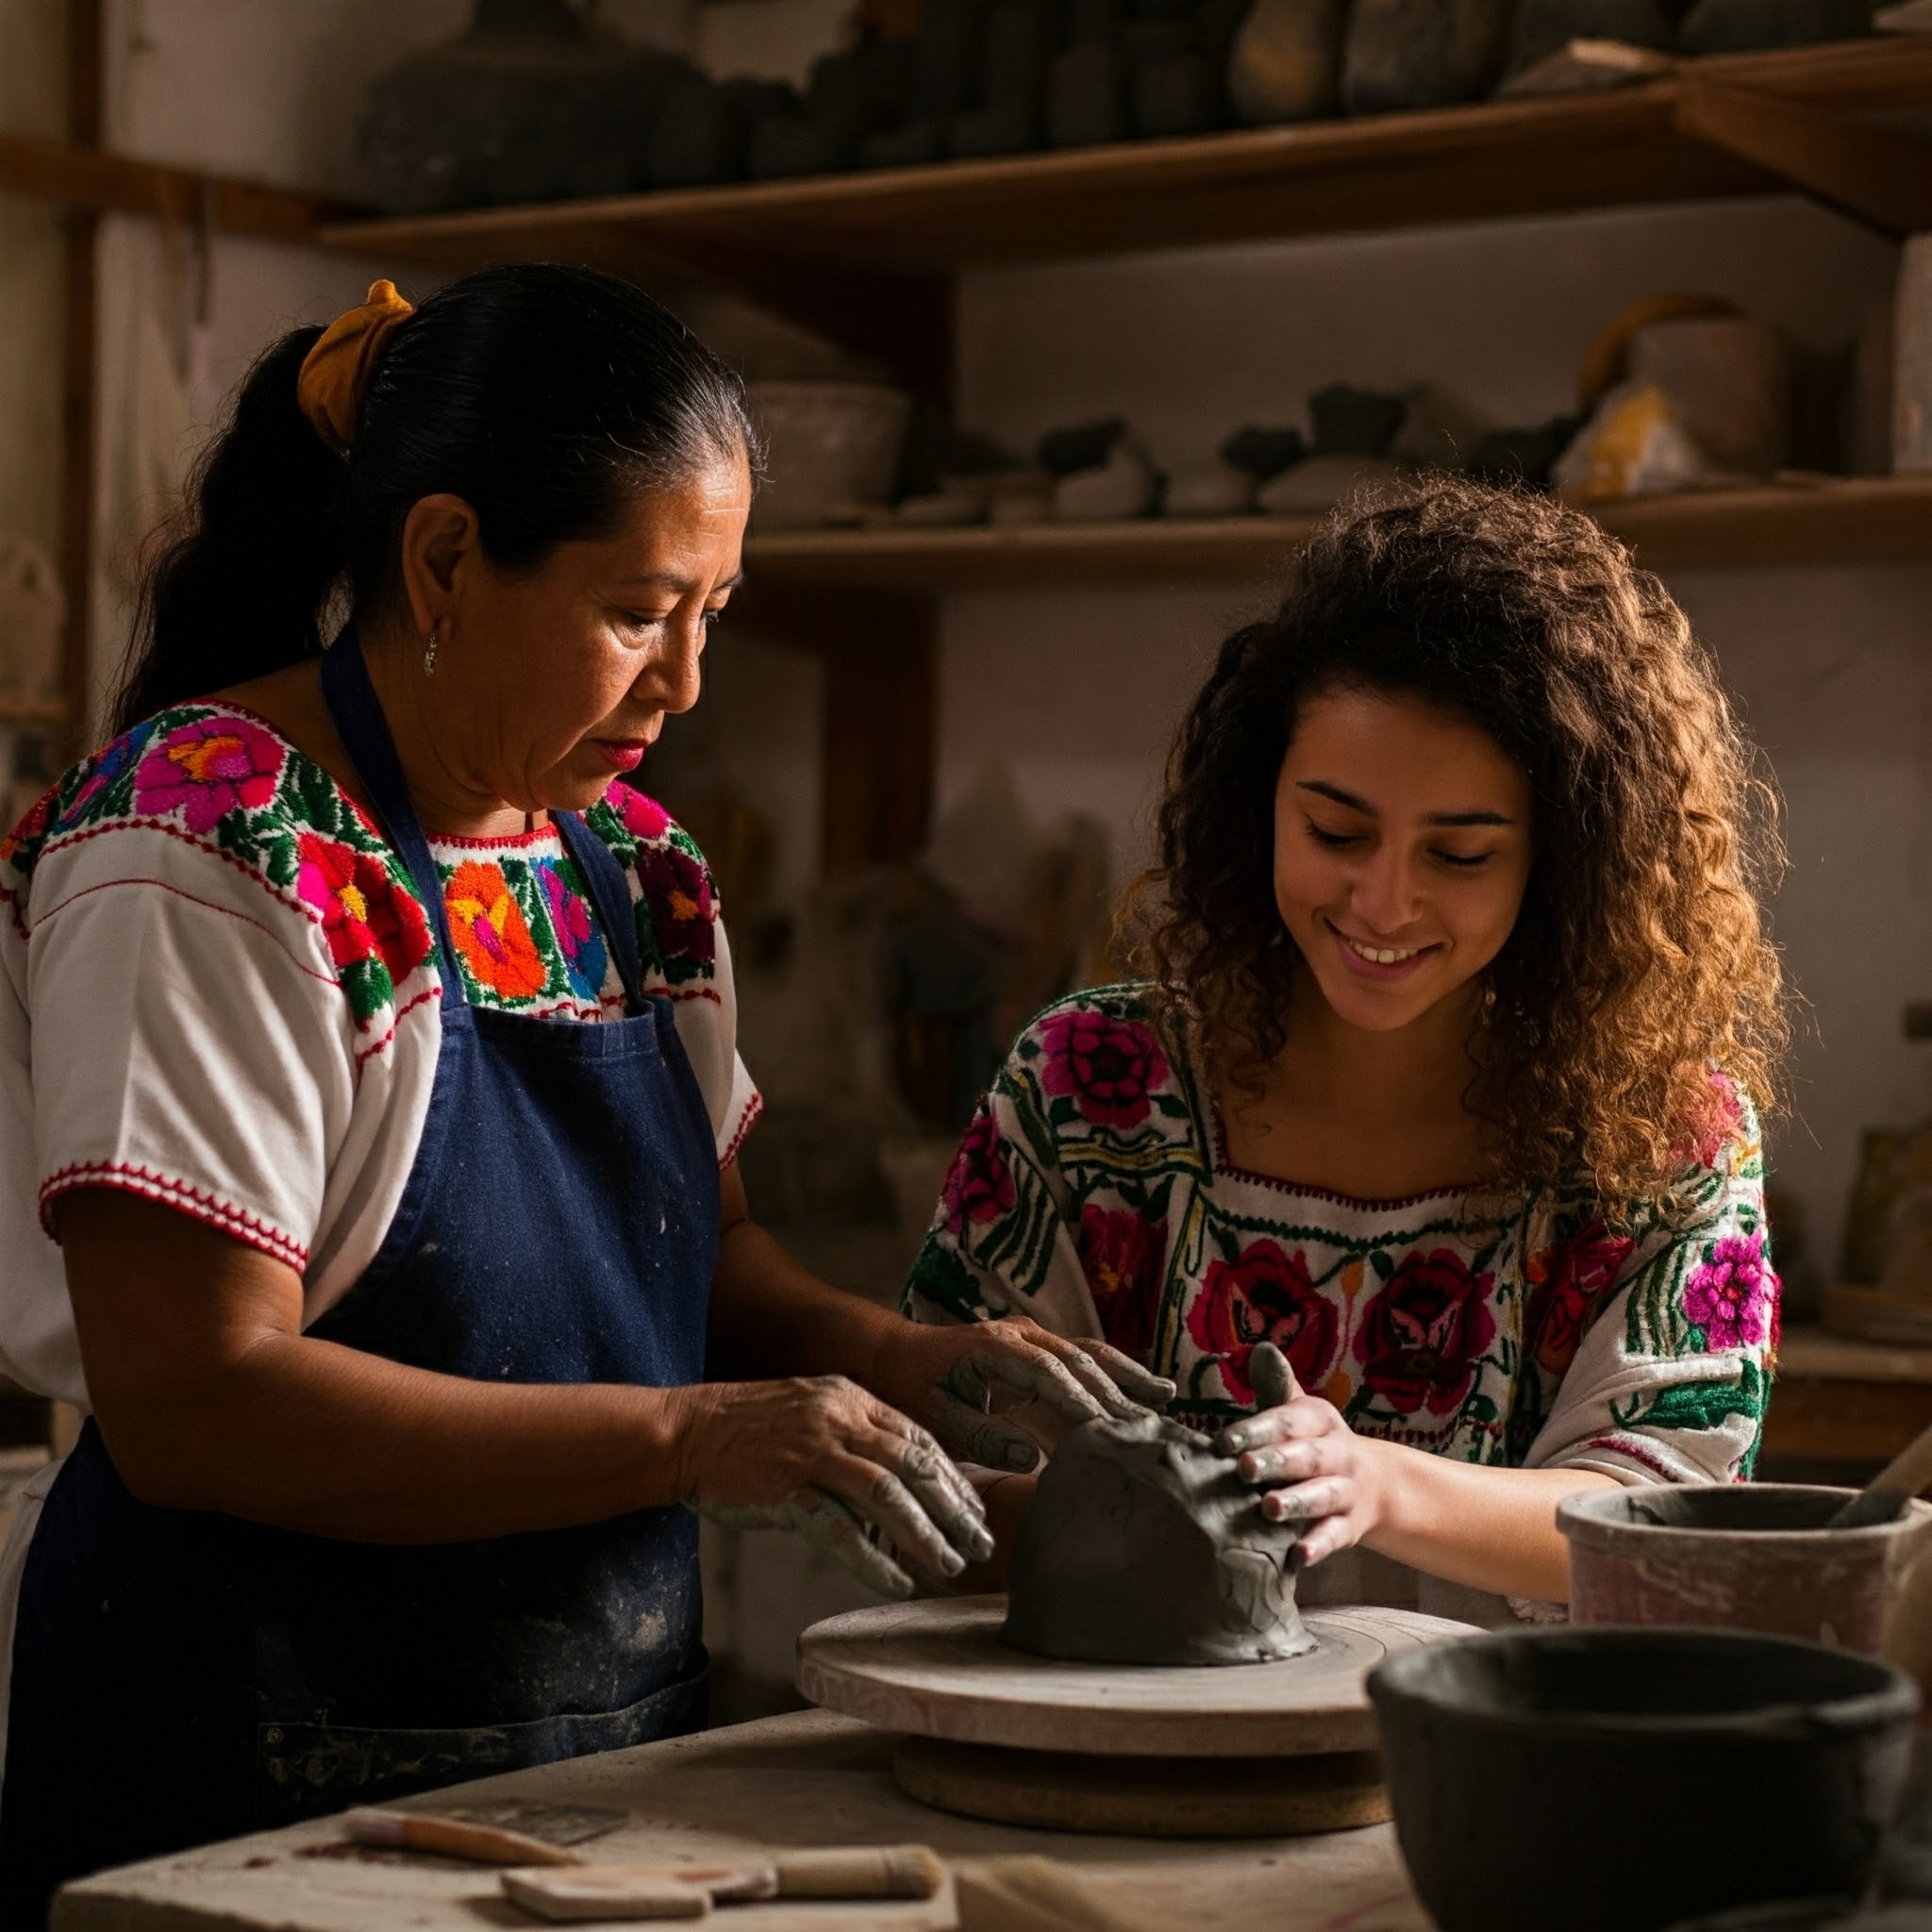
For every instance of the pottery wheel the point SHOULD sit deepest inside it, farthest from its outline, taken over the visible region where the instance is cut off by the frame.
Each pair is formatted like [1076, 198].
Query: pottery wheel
[1267, 1749]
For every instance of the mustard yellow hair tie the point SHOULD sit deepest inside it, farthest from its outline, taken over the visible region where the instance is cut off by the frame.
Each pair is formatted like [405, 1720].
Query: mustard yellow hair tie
[335, 374]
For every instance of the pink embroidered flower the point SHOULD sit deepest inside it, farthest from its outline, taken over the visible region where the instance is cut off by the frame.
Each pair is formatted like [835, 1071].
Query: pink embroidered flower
[1424, 1333]
[644, 818]
[679, 895]
[1716, 1126]
[363, 910]
[979, 1184]
[1264, 1294]
[209, 769]
[570, 918]
[1122, 1253]
[1731, 1294]
[1567, 1284]
[1108, 1066]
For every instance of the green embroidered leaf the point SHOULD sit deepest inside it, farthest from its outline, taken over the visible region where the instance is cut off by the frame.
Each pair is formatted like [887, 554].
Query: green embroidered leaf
[1381, 1264]
[939, 1277]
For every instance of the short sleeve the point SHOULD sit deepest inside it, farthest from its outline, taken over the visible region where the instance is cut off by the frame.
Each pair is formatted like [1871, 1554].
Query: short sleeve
[708, 1026]
[190, 1043]
[1671, 1381]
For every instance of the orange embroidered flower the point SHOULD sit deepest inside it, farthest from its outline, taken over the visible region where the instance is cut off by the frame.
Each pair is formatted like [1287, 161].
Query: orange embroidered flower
[491, 934]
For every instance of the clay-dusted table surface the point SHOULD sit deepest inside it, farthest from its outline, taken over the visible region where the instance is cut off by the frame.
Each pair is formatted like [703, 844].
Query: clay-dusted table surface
[936, 1667]
[803, 1779]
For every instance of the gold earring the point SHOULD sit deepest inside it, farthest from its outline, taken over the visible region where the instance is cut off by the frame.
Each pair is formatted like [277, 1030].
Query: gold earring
[429, 650]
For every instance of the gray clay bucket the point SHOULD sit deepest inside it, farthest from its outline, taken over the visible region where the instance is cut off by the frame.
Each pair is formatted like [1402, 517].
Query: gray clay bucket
[1625, 1780]
[1738, 1557]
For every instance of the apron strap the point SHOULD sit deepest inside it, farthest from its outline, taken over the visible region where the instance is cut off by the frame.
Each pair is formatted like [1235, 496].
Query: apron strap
[353, 704]
[610, 894]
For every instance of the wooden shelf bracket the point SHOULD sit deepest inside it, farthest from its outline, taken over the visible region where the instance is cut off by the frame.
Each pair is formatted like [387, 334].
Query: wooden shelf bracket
[1882, 180]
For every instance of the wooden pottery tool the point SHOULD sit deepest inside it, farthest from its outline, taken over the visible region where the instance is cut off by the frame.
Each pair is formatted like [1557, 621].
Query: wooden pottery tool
[1889, 1492]
[1001, 1734]
[509, 1833]
[632, 1892]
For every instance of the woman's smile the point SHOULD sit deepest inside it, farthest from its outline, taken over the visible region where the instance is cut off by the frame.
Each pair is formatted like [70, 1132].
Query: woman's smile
[1371, 961]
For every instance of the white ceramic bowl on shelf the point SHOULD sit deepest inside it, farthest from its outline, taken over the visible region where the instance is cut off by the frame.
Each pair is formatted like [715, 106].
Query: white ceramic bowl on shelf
[832, 448]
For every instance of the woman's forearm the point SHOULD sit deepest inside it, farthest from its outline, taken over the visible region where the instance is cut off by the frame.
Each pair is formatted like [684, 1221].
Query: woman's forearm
[310, 1436]
[210, 1397]
[1491, 1528]
[771, 1315]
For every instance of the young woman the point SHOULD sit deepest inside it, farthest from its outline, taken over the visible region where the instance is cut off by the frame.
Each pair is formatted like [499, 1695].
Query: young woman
[1442, 1076]
[369, 1046]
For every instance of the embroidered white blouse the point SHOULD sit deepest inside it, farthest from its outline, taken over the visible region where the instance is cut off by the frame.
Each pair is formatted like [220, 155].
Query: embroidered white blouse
[221, 992]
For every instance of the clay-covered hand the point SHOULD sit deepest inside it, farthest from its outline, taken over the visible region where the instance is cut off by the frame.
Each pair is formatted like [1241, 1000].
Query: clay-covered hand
[1309, 1464]
[997, 1392]
[818, 1455]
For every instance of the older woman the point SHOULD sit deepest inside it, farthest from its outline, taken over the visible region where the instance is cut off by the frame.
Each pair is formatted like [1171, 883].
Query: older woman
[371, 1055]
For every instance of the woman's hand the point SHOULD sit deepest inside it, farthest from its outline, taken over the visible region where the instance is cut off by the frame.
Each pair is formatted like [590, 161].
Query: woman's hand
[818, 1454]
[998, 1393]
[1309, 1465]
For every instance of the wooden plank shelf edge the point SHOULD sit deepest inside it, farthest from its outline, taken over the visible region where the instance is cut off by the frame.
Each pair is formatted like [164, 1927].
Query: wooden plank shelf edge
[1488, 160]
[71, 176]
[32, 711]
[1852, 520]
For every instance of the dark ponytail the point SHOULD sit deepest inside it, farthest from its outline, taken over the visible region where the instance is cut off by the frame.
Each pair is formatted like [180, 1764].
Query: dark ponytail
[545, 397]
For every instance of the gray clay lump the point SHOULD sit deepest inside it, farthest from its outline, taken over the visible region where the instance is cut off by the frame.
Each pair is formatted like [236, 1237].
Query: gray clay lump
[1142, 1547]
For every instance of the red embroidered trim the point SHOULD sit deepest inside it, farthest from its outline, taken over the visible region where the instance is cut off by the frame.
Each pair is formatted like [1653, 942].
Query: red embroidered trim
[197, 1202]
[538, 835]
[752, 1111]
[376, 1046]
[1224, 1166]
[1626, 1446]
[293, 901]
[207, 905]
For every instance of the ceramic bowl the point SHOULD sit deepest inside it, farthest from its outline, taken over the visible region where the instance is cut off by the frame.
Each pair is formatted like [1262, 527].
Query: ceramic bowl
[832, 449]
[1623, 1781]
[1738, 1557]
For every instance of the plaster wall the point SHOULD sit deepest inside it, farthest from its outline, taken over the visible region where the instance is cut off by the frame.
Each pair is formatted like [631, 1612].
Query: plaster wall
[1079, 692]
[32, 102]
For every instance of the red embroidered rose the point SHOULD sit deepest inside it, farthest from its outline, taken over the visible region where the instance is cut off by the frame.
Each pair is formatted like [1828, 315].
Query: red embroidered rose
[363, 910]
[1108, 1066]
[1424, 1333]
[1122, 1254]
[679, 895]
[979, 1184]
[1568, 1285]
[1263, 1294]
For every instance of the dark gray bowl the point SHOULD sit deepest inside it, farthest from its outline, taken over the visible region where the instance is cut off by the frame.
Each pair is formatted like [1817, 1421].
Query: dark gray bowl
[1627, 1779]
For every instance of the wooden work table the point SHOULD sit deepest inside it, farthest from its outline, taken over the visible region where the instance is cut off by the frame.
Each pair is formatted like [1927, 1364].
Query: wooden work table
[807, 1778]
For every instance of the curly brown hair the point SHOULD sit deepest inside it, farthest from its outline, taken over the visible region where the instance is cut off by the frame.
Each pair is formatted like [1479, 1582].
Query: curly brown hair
[1638, 959]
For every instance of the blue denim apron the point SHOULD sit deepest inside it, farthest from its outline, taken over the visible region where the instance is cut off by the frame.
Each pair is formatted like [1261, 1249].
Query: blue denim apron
[181, 1676]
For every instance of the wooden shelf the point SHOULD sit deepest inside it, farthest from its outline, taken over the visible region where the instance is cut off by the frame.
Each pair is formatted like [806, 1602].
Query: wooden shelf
[32, 711]
[1493, 159]
[83, 177]
[1858, 520]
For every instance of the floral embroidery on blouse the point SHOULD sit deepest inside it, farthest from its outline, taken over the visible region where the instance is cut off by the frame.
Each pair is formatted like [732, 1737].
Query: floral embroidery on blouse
[1088, 1192]
[491, 934]
[521, 922]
